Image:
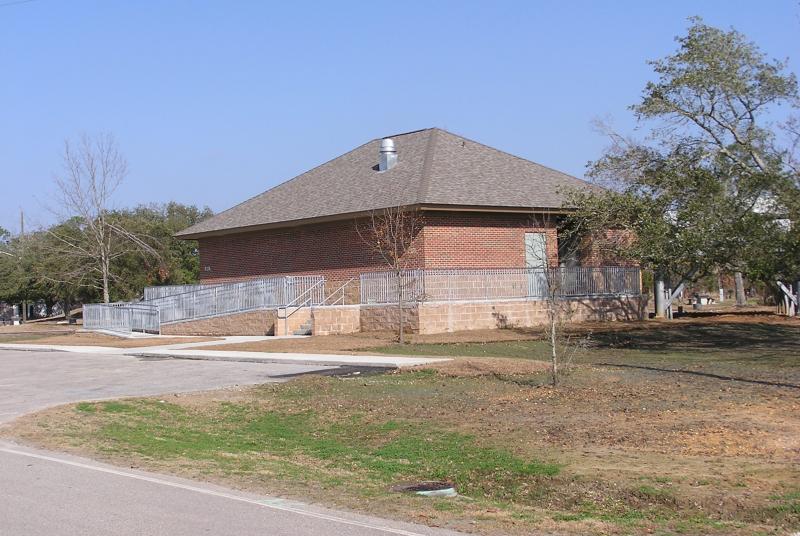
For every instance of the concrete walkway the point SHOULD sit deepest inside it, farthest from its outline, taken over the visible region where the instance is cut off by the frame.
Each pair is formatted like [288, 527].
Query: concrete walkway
[193, 350]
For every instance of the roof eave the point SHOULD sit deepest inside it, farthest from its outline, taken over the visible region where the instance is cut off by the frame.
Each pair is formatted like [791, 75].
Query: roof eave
[355, 215]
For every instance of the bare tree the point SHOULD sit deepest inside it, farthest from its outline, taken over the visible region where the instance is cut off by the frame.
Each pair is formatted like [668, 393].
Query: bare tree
[548, 281]
[91, 239]
[391, 233]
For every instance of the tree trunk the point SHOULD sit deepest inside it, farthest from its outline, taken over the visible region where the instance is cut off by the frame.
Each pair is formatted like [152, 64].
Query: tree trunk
[553, 352]
[797, 295]
[741, 299]
[658, 297]
[106, 270]
[400, 320]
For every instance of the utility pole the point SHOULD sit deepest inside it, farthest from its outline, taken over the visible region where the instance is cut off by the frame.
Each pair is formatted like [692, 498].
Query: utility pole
[21, 238]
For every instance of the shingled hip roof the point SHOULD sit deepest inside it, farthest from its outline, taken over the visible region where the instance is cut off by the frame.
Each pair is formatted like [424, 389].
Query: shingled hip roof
[435, 168]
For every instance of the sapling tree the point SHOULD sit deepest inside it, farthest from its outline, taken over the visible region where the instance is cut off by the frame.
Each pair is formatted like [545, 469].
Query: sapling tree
[392, 233]
[549, 282]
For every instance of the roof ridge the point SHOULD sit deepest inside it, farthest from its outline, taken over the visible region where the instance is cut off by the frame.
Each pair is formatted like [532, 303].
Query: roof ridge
[495, 149]
[265, 192]
[427, 163]
[405, 133]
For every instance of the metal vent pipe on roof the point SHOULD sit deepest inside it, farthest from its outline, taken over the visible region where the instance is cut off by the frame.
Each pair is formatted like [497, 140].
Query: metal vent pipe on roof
[388, 155]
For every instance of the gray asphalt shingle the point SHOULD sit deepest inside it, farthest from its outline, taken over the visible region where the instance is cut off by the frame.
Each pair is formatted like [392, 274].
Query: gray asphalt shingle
[435, 167]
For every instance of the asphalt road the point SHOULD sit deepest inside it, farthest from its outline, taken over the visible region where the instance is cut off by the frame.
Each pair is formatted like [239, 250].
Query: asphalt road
[45, 493]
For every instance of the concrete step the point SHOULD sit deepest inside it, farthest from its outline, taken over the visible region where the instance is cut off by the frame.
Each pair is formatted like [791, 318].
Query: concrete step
[305, 328]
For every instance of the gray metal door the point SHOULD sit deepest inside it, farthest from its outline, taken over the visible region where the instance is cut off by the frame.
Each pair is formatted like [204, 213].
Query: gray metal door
[536, 263]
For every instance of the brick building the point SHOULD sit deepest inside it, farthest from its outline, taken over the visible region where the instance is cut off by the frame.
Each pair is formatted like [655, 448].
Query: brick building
[480, 207]
[291, 260]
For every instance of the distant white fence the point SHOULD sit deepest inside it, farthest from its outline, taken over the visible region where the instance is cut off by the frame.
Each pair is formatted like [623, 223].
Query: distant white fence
[510, 283]
[179, 303]
[122, 317]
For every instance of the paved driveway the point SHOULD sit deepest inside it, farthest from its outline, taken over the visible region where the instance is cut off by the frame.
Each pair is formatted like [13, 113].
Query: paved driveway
[45, 493]
[35, 380]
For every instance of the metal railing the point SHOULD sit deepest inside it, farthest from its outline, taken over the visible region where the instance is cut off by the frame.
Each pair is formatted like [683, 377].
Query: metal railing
[238, 297]
[162, 291]
[303, 300]
[494, 284]
[122, 317]
[194, 302]
[203, 301]
[339, 296]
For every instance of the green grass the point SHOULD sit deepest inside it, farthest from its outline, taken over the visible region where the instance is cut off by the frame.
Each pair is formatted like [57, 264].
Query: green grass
[654, 493]
[383, 453]
[788, 506]
[86, 407]
[625, 517]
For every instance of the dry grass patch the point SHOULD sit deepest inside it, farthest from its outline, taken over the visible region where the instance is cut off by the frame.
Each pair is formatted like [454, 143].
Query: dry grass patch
[99, 339]
[612, 452]
[38, 327]
[33, 331]
[656, 440]
[84, 338]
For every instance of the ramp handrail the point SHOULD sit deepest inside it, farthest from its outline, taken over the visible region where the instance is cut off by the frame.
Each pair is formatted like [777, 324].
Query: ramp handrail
[341, 290]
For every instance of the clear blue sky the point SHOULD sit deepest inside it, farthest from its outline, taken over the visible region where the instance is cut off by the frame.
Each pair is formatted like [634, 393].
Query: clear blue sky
[215, 101]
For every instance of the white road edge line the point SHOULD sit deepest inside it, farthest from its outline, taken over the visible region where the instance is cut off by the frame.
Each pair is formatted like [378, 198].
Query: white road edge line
[210, 492]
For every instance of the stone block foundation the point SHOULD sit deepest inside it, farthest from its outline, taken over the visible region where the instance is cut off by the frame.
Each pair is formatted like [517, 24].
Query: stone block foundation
[336, 319]
[425, 318]
[386, 317]
[443, 317]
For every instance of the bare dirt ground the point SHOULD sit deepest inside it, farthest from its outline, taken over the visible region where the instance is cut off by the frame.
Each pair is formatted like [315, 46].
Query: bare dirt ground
[39, 327]
[71, 336]
[362, 342]
[683, 427]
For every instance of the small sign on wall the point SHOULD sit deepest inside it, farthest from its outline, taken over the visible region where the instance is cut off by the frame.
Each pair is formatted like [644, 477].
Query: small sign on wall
[206, 268]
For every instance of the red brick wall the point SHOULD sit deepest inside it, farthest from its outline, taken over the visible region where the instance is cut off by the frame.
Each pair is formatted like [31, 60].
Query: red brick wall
[601, 250]
[335, 250]
[482, 240]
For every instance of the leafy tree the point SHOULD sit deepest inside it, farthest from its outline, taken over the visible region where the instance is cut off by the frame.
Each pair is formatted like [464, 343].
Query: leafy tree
[711, 186]
[38, 266]
[176, 262]
[18, 282]
[58, 277]
[9, 268]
